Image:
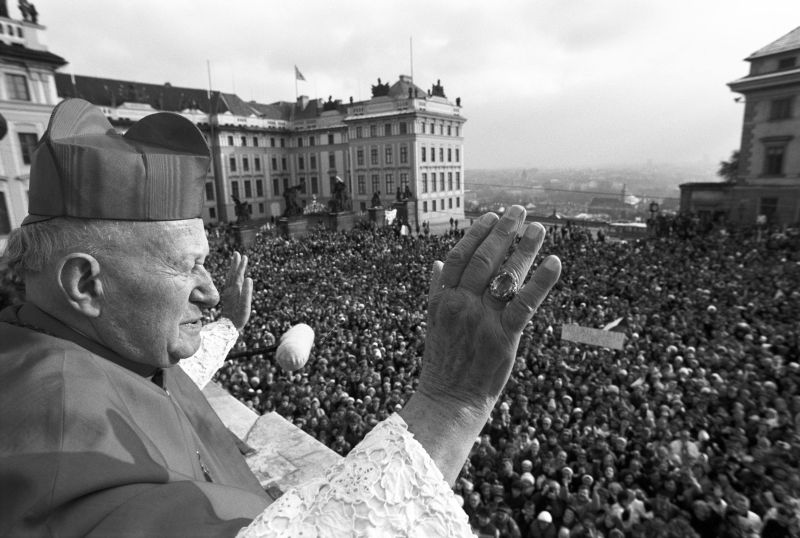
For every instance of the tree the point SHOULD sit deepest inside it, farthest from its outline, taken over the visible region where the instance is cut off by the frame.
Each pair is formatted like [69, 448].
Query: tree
[729, 170]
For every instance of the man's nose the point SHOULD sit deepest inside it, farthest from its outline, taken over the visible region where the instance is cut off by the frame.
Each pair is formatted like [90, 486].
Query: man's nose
[205, 292]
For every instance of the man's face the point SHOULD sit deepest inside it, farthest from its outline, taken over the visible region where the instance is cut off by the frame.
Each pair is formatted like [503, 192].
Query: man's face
[154, 286]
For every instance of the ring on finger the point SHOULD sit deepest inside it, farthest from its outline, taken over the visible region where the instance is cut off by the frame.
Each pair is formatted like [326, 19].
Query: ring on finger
[504, 286]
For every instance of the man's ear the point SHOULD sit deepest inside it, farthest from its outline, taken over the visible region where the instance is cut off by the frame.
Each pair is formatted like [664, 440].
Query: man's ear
[78, 277]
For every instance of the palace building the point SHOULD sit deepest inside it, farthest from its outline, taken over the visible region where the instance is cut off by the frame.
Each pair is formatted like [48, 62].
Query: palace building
[767, 187]
[402, 146]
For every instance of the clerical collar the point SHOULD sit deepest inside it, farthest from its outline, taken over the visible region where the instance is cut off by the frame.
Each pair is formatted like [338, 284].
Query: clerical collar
[32, 317]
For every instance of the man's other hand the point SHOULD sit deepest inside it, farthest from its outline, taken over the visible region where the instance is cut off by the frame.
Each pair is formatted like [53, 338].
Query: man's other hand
[238, 292]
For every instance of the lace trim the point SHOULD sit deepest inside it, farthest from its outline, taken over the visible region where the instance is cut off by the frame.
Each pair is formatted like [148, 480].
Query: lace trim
[217, 339]
[387, 486]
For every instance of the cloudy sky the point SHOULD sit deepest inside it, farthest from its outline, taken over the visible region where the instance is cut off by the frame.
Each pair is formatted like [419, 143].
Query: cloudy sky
[543, 82]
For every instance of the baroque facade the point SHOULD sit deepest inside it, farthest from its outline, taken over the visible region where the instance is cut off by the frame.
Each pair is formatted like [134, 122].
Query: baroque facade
[27, 97]
[766, 188]
[403, 143]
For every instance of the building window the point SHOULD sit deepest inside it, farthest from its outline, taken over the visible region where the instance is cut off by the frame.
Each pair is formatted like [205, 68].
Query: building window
[449, 130]
[312, 140]
[441, 181]
[303, 185]
[330, 139]
[257, 163]
[373, 155]
[360, 157]
[232, 164]
[433, 155]
[424, 182]
[314, 185]
[389, 183]
[235, 188]
[248, 189]
[285, 184]
[404, 181]
[299, 141]
[433, 205]
[27, 141]
[376, 183]
[230, 140]
[387, 129]
[441, 155]
[212, 213]
[424, 154]
[276, 187]
[255, 141]
[787, 63]
[272, 141]
[388, 155]
[245, 164]
[244, 141]
[780, 109]
[403, 154]
[433, 131]
[332, 160]
[403, 128]
[449, 203]
[359, 132]
[274, 163]
[331, 184]
[283, 164]
[17, 86]
[362, 184]
[773, 160]
[449, 155]
[458, 130]
[449, 181]
[458, 155]
[458, 202]
[283, 142]
[209, 191]
[373, 131]
[424, 207]
[458, 180]
[312, 162]
[261, 208]
[259, 188]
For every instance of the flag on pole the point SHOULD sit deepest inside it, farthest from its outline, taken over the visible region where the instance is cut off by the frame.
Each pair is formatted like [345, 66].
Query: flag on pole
[298, 75]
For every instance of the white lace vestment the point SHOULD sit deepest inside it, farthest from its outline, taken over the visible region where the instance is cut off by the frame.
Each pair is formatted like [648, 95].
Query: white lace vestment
[387, 485]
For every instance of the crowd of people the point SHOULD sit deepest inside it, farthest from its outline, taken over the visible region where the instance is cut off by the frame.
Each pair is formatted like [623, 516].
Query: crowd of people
[690, 430]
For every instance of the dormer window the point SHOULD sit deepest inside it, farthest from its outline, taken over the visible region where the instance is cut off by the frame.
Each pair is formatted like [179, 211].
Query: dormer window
[787, 63]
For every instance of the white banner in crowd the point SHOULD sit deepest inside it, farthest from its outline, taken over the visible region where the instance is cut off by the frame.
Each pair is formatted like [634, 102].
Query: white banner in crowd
[594, 337]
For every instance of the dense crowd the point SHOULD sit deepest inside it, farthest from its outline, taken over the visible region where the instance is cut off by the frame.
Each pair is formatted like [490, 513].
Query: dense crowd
[690, 430]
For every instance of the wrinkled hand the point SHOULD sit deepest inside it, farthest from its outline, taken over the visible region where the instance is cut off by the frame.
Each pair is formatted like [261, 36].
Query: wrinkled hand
[473, 337]
[238, 292]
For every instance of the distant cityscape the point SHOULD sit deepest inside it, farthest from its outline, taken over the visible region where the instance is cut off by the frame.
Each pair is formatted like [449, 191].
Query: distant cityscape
[602, 193]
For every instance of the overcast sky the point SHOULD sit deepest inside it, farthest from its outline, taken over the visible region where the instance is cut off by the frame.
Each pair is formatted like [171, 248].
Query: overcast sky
[543, 82]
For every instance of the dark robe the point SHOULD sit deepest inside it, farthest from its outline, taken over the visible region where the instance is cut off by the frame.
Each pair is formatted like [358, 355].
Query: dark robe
[89, 446]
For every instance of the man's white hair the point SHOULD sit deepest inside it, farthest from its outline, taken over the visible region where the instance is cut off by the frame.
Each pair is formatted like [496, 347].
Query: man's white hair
[31, 248]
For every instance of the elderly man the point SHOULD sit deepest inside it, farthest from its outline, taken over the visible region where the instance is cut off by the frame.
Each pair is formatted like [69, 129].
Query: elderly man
[101, 435]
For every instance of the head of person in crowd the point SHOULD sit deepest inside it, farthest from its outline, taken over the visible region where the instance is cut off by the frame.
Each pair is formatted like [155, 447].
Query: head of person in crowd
[114, 245]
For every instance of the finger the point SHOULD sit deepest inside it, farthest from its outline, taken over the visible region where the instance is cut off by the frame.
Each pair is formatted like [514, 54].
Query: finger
[435, 289]
[233, 268]
[492, 251]
[246, 301]
[519, 263]
[460, 255]
[520, 310]
[241, 270]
